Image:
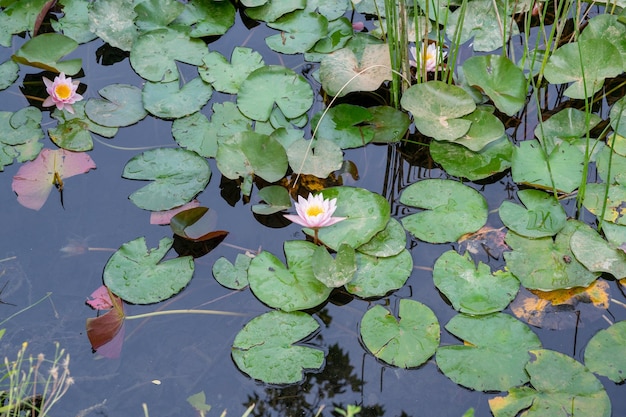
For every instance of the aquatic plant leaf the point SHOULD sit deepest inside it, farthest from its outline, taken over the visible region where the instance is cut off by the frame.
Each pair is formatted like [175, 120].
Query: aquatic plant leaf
[405, 343]
[471, 288]
[171, 186]
[334, 272]
[560, 387]
[341, 72]
[367, 214]
[18, 17]
[483, 22]
[543, 216]
[611, 165]
[288, 288]
[227, 77]
[567, 125]
[376, 277]
[618, 117]
[585, 64]
[276, 199]
[339, 32]
[437, 109]
[75, 21]
[494, 353]
[138, 275]
[35, 179]
[197, 224]
[498, 78]
[156, 14]
[21, 127]
[269, 11]
[164, 216]
[114, 22]
[106, 332]
[299, 31]
[249, 153]
[319, 159]
[266, 348]
[546, 264]
[530, 166]
[73, 130]
[485, 129]
[390, 125]
[169, 101]
[9, 72]
[608, 27]
[209, 18]
[459, 161]
[154, 54]
[273, 85]
[120, 105]
[388, 242]
[331, 9]
[596, 197]
[198, 401]
[46, 50]
[597, 254]
[451, 210]
[346, 125]
[232, 276]
[603, 353]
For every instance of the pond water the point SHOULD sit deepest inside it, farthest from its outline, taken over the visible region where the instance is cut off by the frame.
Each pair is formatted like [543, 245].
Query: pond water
[62, 250]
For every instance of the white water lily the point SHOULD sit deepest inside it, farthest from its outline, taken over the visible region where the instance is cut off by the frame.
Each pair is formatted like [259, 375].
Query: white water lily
[433, 57]
[315, 212]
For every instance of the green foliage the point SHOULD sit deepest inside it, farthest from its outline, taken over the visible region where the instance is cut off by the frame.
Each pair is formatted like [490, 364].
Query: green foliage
[46, 50]
[603, 353]
[73, 131]
[120, 105]
[543, 215]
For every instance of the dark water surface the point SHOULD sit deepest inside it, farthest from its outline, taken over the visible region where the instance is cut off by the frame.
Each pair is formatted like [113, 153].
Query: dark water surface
[188, 354]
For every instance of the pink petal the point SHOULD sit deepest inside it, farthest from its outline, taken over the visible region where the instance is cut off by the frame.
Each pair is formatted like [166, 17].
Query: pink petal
[100, 299]
[297, 220]
[164, 217]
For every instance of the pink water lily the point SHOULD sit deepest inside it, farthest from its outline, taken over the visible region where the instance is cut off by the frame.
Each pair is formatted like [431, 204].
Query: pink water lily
[429, 58]
[62, 92]
[315, 212]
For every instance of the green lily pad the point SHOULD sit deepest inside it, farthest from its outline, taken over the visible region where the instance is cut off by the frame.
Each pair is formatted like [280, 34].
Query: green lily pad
[331, 9]
[274, 85]
[227, 77]
[451, 210]
[500, 79]
[299, 32]
[157, 14]
[611, 165]
[485, 128]
[367, 214]
[603, 354]
[543, 216]
[390, 125]
[530, 166]
[319, 159]
[608, 27]
[339, 32]
[461, 162]
[545, 264]
[9, 72]
[388, 242]
[596, 197]
[334, 272]
[169, 101]
[597, 254]
[137, 275]
[288, 288]
[406, 343]
[45, 51]
[567, 125]
[20, 127]
[618, 117]
[73, 130]
[249, 153]
[266, 347]
[172, 186]
[232, 276]
[75, 21]
[437, 109]
[120, 105]
[209, 18]
[194, 133]
[376, 277]
[494, 353]
[114, 22]
[586, 64]
[18, 17]
[342, 72]
[276, 199]
[154, 54]
[345, 125]
[473, 289]
[561, 387]
[269, 11]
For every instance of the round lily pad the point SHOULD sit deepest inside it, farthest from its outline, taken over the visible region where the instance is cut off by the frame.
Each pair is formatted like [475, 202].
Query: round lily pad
[169, 101]
[266, 347]
[452, 210]
[596, 254]
[388, 242]
[604, 353]
[120, 105]
[376, 277]
[406, 343]
[543, 216]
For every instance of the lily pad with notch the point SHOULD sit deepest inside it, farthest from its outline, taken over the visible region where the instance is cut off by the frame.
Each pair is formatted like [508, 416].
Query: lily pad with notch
[346, 125]
[596, 254]
[227, 77]
[168, 100]
[334, 272]
[407, 342]
[211, 18]
[232, 276]
[46, 50]
[388, 242]
[319, 158]
[376, 277]
[299, 32]
[73, 131]
[276, 199]
[120, 105]
[543, 216]
[603, 352]
[266, 348]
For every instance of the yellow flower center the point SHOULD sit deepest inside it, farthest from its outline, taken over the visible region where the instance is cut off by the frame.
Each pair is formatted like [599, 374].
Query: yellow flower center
[63, 91]
[314, 211]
